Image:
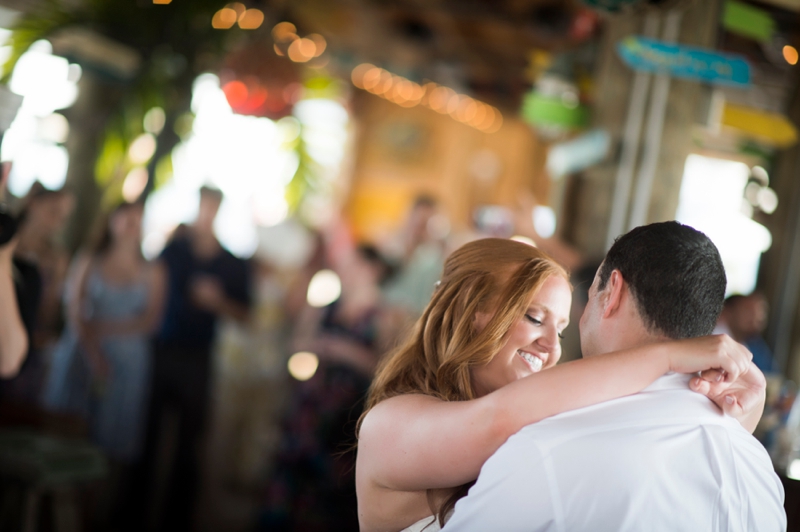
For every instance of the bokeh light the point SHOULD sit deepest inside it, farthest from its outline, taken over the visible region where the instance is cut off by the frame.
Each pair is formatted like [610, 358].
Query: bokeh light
[320, 44]
[236, 92]
[224, 19]
[238, 7]
[711, 202]
[767, 200]
[303, 365]
[284, 32]
[251, 159]
[44, 80]
[251, 19]
[134, 184]
[793, 471]
[54, 128]
[302, 50]
[790, 54]
[760, 173]
[154, 120]
[142, 148]
[33, 141]
[325, 288]
[444, 100]
[544, 221]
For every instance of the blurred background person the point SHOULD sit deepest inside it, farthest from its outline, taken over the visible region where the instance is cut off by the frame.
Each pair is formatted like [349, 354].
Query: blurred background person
[13, 334]
[417, 252]
[42, 260]
[102, 365]
[251, 380]
[13, 338]
[313, 484]
[744, 318]
[205, 282]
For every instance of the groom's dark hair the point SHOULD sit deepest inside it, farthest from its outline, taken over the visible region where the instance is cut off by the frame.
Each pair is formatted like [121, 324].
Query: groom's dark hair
[675, 275]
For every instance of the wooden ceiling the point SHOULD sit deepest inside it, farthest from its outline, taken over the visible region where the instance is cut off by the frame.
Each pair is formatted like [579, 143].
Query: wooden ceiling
[481, 47]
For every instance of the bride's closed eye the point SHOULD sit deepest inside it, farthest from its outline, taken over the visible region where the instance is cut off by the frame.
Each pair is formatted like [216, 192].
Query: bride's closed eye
[538, 323]
[533, 320]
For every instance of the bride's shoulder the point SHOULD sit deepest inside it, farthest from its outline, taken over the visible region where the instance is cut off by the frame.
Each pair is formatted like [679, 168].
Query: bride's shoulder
[402, 403]
[395, 411]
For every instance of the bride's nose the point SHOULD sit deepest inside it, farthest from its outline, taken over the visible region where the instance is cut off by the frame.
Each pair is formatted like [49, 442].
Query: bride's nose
[549, 339]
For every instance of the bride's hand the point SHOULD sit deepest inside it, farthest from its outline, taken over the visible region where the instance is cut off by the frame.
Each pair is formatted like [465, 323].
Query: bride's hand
[716, 352]
[729, 378]
[743, 398]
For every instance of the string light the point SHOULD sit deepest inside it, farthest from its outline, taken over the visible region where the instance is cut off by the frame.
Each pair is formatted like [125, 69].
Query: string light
[284, 32]
[224, 19]
[236, 12]
[251, 19]
[444, 100]
[300, 50]
[319, 43]
[790, 54]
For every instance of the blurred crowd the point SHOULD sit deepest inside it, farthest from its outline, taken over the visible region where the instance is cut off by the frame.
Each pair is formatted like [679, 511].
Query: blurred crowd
[200, 373]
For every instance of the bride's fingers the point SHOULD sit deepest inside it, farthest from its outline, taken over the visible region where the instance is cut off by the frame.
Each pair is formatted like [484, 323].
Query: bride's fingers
[725, 399]
[700, 385]
[731, 406]
[712, 375]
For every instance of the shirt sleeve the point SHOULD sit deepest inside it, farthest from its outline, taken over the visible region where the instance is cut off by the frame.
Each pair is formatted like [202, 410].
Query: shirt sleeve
[513, 493]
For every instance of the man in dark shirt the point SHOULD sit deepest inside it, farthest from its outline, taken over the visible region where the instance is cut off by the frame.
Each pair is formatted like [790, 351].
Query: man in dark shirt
[206, 282]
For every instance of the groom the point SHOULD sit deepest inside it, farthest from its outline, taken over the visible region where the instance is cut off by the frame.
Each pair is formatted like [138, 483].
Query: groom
[665, 459]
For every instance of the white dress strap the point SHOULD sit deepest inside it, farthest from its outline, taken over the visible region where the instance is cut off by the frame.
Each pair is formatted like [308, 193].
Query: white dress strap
[426, 524]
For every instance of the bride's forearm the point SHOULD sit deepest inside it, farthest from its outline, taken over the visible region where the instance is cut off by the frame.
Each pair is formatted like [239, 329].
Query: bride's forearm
[577, 384]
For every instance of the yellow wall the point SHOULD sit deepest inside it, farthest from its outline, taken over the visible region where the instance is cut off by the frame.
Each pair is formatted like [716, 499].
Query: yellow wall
[403, 152]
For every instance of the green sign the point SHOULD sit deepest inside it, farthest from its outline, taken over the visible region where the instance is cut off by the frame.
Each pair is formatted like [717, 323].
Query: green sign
[547, 111]
[748, 21]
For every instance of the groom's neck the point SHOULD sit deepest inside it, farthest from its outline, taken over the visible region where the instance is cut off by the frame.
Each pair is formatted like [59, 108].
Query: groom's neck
[629, 336]
[632, 343]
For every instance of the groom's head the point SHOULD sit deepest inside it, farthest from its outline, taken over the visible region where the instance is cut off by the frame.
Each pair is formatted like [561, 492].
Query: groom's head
[663, 280]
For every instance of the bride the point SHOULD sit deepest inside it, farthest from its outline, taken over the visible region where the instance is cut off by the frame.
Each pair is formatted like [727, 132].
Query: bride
[470, 376]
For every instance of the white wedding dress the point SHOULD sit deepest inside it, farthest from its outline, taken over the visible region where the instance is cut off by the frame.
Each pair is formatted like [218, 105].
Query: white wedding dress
[427, 524]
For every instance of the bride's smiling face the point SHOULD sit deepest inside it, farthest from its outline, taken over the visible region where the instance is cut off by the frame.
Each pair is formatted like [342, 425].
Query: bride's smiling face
[534, 341]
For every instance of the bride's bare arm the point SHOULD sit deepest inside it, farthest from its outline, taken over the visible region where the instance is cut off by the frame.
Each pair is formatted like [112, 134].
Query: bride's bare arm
[416, 442]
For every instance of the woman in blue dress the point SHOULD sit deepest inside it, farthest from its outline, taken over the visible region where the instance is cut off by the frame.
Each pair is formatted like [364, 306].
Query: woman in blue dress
[101, 367]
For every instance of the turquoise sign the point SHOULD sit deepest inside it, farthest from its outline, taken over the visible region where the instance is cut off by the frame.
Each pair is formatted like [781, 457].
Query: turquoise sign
[700, 64]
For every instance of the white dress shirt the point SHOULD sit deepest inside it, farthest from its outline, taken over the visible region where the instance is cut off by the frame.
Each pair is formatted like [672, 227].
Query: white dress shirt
[665, 459]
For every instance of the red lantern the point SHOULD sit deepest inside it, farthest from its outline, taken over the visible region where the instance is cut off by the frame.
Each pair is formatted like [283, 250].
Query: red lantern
[257, 82]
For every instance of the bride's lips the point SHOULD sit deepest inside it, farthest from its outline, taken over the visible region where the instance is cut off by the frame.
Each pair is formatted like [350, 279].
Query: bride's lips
[535, 362]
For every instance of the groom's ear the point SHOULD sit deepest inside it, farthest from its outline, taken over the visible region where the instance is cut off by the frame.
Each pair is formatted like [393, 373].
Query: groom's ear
[612, 293]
